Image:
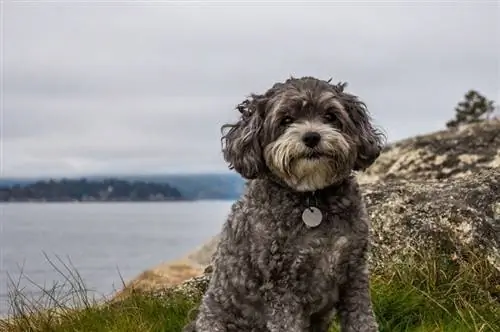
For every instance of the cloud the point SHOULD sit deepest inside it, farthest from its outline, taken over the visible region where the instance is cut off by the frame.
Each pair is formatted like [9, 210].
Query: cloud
[123, 87]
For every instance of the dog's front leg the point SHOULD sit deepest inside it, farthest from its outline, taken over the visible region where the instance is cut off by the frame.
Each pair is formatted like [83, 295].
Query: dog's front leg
[286, 317]
[355, 305]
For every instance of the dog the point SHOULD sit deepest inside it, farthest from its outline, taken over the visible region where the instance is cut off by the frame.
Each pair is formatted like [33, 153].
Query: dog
[293, 251]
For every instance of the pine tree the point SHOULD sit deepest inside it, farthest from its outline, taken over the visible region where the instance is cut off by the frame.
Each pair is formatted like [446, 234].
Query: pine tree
[474, 108]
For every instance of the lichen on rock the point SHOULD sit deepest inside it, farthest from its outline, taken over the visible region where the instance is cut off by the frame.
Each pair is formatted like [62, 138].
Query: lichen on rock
[454, 215]
[444, 154]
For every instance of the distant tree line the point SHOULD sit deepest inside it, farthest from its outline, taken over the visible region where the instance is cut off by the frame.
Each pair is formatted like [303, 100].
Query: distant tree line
[85, 190]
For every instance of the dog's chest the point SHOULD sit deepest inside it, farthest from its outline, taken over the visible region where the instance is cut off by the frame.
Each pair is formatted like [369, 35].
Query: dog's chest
[296, 253]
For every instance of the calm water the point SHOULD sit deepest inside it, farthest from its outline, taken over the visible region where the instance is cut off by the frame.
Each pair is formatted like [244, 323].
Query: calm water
[101, 240]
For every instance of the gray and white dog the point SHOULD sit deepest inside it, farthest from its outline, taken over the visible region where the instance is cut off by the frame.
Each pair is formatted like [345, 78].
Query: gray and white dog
[293, 252]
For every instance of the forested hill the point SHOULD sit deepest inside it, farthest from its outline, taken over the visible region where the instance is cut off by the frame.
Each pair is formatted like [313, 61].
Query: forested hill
[89, 190]
[189, 186]
[200, 186]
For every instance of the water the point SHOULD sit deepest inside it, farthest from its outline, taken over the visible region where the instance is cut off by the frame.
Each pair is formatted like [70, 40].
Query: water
[101, 240]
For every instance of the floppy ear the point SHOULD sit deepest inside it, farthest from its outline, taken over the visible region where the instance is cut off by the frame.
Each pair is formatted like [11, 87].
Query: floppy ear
[371, 143]
[370, 140]
[241, 146]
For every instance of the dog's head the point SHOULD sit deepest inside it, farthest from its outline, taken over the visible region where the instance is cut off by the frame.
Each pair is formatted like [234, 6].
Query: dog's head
[307, 132]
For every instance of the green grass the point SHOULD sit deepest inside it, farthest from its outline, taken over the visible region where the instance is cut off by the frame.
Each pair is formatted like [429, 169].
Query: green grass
[426, 293]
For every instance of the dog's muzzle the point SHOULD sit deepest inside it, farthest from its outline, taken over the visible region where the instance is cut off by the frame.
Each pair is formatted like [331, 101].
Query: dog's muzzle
[308, 155]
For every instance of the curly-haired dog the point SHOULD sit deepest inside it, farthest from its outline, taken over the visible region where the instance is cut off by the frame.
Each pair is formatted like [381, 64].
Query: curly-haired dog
[293, 251]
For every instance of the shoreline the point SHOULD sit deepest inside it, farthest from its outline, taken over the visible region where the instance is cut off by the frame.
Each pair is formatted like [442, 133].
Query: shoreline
[139, 201]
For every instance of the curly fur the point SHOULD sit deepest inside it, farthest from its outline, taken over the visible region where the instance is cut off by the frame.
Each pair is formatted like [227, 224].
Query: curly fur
[272, 273]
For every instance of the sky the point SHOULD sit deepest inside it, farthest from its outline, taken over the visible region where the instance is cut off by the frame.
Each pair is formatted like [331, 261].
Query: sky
[142, 87]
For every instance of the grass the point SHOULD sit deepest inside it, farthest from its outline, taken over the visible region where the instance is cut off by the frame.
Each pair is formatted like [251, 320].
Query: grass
[435, 293]
[430, 293]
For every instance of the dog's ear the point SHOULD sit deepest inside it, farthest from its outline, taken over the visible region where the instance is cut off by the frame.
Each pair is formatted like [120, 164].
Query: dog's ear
[241, 145]
[370, 140]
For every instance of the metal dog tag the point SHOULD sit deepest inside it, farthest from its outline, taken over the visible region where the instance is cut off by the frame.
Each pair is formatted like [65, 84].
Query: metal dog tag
[312, 216]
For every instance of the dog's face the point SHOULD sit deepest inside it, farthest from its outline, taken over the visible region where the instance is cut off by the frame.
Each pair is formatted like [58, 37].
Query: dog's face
[305, 141]
[307, 132]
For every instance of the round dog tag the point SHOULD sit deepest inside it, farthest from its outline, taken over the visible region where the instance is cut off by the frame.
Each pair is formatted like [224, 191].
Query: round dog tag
[312, 216]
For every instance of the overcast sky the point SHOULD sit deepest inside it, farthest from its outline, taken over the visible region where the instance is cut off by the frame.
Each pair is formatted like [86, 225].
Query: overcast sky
[121, 87]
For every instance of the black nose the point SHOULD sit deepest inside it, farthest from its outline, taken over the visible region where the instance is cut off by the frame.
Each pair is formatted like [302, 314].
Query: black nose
[311, 139]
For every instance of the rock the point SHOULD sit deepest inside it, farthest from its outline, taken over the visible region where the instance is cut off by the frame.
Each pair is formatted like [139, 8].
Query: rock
[444, 154]
[173, 273]
[455, 215]
[161, 277]
[441, 189]
[192, 288]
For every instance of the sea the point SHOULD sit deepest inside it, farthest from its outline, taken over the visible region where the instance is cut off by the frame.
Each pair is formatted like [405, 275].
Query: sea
[41, 244]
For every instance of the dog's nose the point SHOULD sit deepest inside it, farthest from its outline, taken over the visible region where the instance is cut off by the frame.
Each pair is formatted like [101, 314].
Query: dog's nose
[311, 139]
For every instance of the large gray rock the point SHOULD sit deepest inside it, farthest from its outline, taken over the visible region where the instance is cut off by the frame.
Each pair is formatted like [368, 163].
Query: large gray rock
[445, 154]
[453, 215]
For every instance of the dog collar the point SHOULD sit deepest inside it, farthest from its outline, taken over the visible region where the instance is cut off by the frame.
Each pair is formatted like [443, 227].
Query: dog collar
[312, 216]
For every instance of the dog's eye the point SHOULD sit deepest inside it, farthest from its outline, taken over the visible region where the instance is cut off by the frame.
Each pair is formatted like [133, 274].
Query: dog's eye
[330, 117]
[286, 120]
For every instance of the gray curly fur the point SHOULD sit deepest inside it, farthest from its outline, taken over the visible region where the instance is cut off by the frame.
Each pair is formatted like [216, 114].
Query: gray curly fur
[272, 273]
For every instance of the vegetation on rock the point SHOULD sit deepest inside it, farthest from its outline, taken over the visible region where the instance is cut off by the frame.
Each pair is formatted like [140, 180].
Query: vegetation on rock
[474, 108]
